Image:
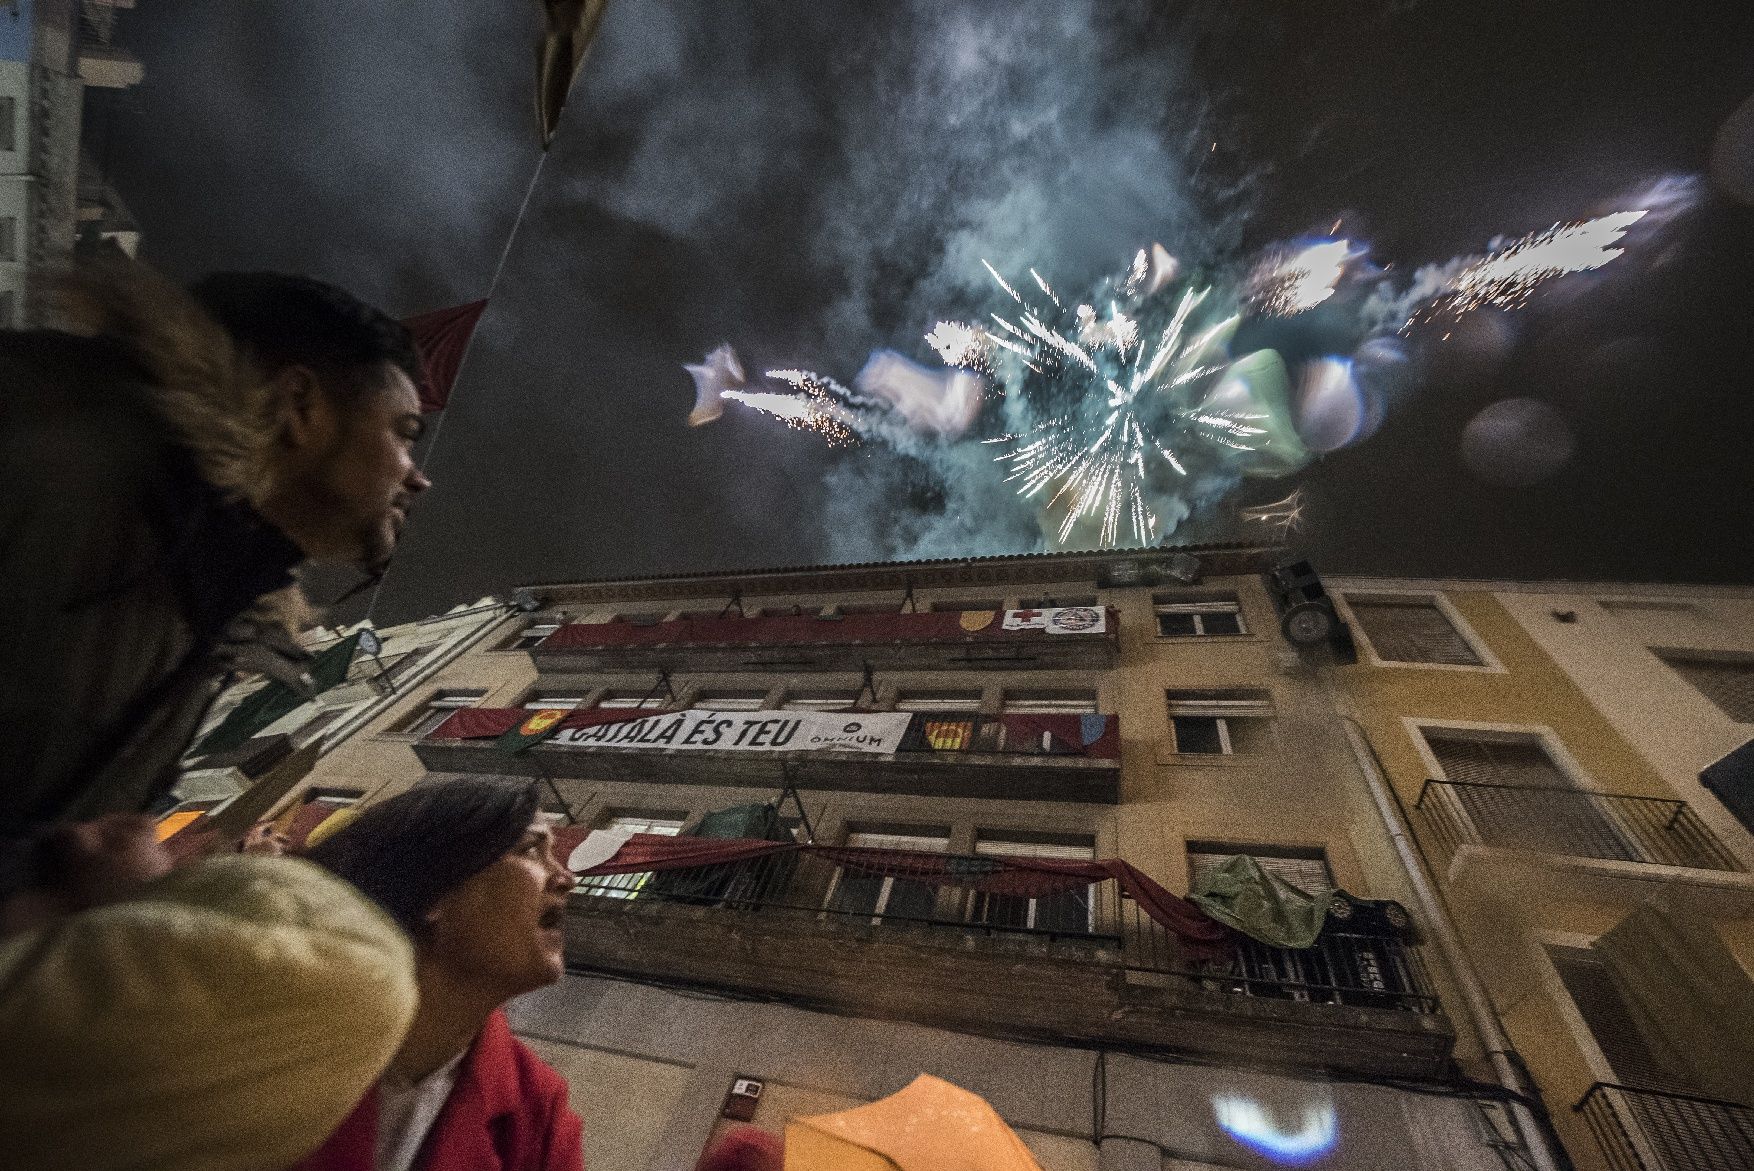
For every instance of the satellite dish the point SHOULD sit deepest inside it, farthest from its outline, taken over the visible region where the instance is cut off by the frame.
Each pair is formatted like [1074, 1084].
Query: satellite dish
[369, 642]
[526, 600]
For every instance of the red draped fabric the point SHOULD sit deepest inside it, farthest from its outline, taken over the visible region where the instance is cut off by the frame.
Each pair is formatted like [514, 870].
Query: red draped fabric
[804, 629]
[993, 874]
[440, 339]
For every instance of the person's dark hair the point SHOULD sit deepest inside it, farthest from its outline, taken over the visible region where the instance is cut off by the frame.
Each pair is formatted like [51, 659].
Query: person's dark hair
[285, 320]
[407, 853]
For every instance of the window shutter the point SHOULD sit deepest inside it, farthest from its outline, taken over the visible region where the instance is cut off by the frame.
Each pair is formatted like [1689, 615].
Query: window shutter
[1586, 978]
[1728, 685]
[1412, 632]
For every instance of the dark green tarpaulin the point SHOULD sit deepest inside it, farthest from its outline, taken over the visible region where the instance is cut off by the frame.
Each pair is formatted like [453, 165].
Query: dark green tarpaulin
[755, 881]
[275, 699]
[1260, 904]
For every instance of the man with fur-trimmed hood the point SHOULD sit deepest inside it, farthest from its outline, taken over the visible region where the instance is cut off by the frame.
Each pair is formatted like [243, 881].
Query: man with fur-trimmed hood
[166, 463]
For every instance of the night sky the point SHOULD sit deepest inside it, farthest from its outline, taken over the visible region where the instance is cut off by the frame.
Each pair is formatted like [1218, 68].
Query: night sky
[813, 180]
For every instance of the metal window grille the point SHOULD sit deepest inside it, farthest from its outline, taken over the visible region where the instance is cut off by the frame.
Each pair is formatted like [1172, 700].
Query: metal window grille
[1729, 685]
[1412, 632]
[8, 125]
[1307, 870]
[1646, 1130]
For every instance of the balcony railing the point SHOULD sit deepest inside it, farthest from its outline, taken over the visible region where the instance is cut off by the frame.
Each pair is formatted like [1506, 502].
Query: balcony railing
[1576, 822]
[1094, 923]
[828, 641]
[1651, 1130]
[1019, 757]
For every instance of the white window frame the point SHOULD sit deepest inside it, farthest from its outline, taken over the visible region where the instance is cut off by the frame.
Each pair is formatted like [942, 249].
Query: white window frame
[1221, 712]
[1198, 608]
[947, 701]
[628, 886]
[627, 701]
[539, 631]
[1549, 742]
[1071, 701]
[1007, 847]
[448, 700]
[820, 701]
[1488, 665]
[739, 699]
[552, 703]
[910, 842]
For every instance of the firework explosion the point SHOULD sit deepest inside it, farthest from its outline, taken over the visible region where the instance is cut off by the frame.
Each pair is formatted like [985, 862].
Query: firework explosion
[1119, 411]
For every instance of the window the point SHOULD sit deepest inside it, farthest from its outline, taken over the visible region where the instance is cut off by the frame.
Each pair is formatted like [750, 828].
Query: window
[1609, 1019]
[6, 309]
[1305, 867]
[1072, 911]
[1513, 794]
[632, 699]
[8, 123]
[532, 636]
[1048, 703]
[957, 607]
[648, 618]
[627, 886]
[1049, 602]
[438, 709]
[8, 238]
[1221, 723]
[1411, 630]
[538, 701]
[312, 728]
[1728, 683]
[730, 701]
[938, 701]
[869, 608]
[821, 701]
[1197, 618]
[855, 893]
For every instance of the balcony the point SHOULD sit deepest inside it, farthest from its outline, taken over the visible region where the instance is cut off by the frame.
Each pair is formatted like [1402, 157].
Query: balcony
[1650, 1130]
[1578, 823]
[946, 640]
[1083, 963]
[1025, 758]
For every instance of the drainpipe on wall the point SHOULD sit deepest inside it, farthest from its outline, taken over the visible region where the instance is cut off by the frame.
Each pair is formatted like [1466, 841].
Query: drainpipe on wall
[1533, 1127]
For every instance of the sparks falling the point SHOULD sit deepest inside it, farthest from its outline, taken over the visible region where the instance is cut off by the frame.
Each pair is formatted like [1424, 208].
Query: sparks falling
[1508, 276]
[821, 405]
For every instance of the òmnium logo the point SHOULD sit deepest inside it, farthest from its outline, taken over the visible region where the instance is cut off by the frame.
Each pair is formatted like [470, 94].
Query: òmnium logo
[853, 727]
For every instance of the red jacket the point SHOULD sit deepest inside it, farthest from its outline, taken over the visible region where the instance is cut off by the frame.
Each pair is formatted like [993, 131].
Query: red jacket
[507, 1112]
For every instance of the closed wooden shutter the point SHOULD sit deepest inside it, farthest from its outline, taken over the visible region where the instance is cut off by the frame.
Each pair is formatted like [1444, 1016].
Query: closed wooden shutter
[1412, 632]
[1610, 1023]
[1728, 685]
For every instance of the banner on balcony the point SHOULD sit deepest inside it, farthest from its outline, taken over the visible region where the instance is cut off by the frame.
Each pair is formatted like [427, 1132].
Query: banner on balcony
[758, 731]
[1059, 620]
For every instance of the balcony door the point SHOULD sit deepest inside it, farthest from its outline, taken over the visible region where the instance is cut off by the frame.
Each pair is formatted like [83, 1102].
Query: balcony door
[1516, 796]
[627, 886]
[880, 896]
[1070, 912]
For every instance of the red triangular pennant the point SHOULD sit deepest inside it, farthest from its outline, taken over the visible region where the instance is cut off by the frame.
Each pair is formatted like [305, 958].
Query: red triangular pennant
[440, 338]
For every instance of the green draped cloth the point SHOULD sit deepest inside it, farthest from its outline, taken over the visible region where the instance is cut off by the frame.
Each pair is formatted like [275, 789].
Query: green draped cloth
[275, 699]
[1261, 905]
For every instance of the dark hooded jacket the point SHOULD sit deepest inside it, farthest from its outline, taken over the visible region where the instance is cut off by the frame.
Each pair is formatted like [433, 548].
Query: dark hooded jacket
[134, 572]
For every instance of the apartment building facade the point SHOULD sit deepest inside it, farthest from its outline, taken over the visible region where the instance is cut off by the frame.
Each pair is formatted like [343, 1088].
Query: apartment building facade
[54, 54]
[1068, 710]
[1577, 766]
